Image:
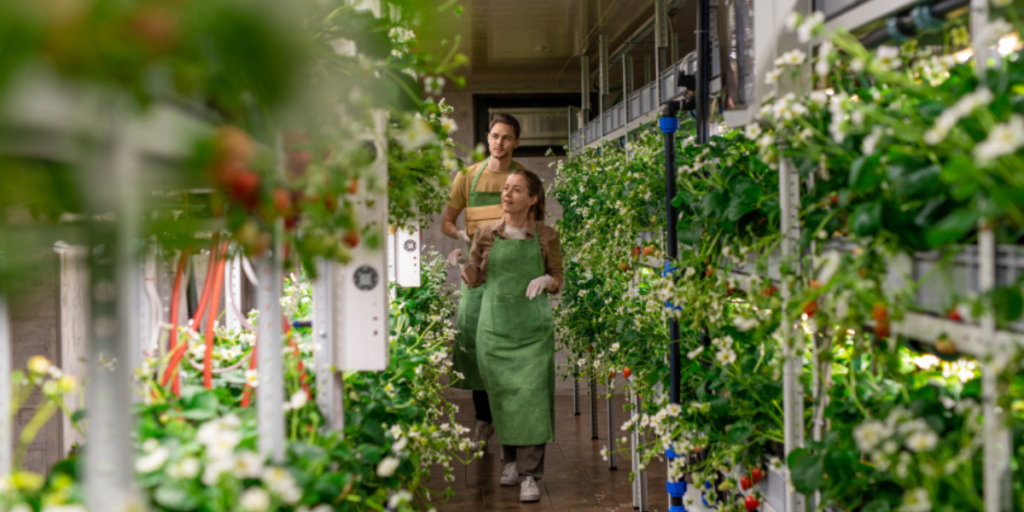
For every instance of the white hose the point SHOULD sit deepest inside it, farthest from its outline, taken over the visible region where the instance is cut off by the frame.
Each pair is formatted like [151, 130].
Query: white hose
[155, 305]
[249, 272]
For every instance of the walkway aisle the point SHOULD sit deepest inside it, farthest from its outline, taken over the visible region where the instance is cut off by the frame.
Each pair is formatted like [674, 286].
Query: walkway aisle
[576, 478]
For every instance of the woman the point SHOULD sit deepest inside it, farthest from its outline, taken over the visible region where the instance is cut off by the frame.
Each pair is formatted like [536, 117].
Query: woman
[519, 261]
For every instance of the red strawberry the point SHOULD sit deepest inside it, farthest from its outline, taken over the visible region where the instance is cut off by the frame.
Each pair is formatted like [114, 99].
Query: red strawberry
[745, 482]
[879, 312]
[811, 308]
[757, 474]
[751, 503]
[882, 329]
[282, 200]
[351, 239]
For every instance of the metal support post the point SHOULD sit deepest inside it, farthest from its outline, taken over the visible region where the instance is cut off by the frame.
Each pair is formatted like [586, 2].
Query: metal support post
[611, 429]
[576, 395]
[648, 68]
[634, 454]
[593, 409]
[602, 74]
[645, 499]
[660, 39]
[627, 89]
[585, 91]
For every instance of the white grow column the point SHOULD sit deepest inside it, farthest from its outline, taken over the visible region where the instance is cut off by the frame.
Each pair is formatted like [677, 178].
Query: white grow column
[997, 485]
[5, 386]
[113, 330]
[330, 397]
[360, 288]
[407, 254]
[793, 401]
[392, 263]
[270, 366]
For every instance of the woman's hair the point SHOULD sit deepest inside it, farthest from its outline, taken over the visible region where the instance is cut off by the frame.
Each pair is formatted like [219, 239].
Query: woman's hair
[535, 187]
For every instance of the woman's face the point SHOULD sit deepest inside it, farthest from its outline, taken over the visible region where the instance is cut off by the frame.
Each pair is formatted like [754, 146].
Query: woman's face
[515, 198]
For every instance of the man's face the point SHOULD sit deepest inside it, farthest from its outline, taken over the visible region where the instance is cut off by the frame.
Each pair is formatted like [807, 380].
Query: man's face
[502, 140]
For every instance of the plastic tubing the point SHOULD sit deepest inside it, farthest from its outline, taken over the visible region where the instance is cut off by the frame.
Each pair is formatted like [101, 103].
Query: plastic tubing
[178, 350]
[211, 318]
[175, 300]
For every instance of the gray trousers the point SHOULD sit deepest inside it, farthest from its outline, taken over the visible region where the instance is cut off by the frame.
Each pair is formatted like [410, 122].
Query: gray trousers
[529, 459]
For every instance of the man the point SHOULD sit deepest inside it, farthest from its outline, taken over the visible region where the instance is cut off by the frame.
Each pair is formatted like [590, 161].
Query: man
[477, 190]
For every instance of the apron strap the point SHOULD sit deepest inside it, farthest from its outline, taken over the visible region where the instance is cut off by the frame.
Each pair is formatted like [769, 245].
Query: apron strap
[480, 171]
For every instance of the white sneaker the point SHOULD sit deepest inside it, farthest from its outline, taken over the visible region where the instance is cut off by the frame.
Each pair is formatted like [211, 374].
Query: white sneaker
[529, 492]
[481, 435]
[509, 475]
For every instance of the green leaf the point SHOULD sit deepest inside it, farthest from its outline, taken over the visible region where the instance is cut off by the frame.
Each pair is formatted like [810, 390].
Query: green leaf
[877, 505]
[174, 498]
[202, 406]
[807, 471]
[1007, 303]
[962, 175]
[864, 173]
[953, 228]
[739, 432]
[714, 204]
[866, 219]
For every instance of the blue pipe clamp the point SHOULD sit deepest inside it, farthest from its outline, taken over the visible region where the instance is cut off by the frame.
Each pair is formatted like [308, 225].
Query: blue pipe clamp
[668, 124]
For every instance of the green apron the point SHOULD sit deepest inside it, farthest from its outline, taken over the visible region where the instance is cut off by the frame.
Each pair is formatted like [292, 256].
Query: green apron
[464, 356]
[516, 345]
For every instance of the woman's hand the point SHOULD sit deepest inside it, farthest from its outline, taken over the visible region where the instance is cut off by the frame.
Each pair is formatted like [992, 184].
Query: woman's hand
[458, 257]
[539, 285]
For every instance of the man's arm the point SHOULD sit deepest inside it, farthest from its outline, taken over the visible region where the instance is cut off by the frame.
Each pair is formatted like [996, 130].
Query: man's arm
[448, 222]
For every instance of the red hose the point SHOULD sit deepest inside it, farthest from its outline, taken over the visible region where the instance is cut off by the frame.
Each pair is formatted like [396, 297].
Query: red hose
[178, 351]
[175, 299]
[211, 319]
[298, 355]
[247, 393]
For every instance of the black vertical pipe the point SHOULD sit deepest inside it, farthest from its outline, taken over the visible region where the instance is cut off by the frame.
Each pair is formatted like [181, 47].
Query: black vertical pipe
[669, 124]
[703, 91]
[703, 69]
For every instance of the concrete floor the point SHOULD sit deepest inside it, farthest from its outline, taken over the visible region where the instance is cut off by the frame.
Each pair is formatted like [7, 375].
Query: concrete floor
[576, 478]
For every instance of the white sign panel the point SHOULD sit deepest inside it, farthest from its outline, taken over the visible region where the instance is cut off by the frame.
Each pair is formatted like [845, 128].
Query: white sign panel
[407, 250]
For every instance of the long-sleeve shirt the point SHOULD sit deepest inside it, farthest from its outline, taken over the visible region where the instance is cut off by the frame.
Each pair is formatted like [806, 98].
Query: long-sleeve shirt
[551, 250]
